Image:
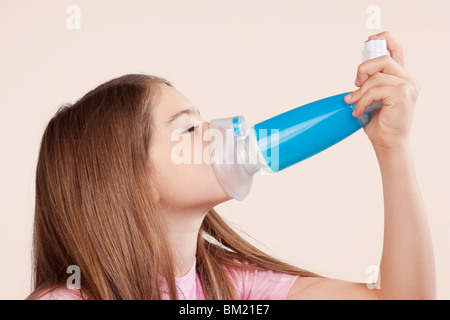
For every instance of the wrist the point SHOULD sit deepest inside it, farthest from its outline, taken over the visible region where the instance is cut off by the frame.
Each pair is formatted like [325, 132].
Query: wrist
[398, 159]
[393, 149]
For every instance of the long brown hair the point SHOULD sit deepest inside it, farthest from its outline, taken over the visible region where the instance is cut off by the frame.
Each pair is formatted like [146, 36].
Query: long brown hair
[94, 205]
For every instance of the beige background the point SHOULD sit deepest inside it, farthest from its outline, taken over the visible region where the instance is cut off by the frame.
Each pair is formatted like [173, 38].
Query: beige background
[255, 58]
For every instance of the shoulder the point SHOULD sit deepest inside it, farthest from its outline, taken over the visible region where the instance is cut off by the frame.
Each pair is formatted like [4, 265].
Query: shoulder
[62, 293]
[261, 284]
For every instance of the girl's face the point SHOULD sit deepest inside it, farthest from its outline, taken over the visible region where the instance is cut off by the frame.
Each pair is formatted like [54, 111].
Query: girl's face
[184, 174]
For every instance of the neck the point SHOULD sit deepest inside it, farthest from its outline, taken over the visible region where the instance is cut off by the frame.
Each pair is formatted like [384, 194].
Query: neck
[184, 226]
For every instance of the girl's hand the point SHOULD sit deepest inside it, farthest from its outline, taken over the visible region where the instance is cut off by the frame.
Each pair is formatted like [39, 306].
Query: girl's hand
[385, 79]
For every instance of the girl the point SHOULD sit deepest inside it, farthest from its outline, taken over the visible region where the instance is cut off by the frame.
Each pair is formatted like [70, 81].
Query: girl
[110, 200]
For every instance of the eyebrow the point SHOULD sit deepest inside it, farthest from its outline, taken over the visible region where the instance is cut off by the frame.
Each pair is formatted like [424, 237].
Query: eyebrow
[185, 111]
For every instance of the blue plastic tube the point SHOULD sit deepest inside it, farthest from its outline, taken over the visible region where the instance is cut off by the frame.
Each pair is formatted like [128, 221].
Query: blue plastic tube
[306, 130]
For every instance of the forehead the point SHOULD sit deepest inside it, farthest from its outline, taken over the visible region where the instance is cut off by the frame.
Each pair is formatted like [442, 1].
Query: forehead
[170, 102]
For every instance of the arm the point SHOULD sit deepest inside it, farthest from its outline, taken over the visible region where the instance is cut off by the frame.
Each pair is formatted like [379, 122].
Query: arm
[407, 262]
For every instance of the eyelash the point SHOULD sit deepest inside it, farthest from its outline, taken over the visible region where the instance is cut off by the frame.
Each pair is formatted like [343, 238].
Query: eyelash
[191, 128]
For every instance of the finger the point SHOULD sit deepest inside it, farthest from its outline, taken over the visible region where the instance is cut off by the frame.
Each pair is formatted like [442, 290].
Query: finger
[373, 94]
[377, 80]
[396, 50]
[384, 64]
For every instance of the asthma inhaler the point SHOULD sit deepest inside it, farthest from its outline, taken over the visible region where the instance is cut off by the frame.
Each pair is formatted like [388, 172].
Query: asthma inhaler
[237, 153]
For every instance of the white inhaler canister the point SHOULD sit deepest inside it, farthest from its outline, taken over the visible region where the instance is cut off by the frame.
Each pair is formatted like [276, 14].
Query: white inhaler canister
[372, 49]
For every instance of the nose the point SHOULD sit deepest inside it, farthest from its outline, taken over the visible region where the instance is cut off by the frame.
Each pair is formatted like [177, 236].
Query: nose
[206, 131]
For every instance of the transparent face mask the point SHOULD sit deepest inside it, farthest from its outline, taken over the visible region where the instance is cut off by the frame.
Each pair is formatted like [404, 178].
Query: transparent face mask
[235, 155]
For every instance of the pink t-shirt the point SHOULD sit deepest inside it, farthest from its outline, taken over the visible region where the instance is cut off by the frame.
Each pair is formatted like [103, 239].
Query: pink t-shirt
[250, 285]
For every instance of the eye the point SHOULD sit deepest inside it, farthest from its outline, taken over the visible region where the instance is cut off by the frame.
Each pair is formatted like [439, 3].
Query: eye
[191, 129]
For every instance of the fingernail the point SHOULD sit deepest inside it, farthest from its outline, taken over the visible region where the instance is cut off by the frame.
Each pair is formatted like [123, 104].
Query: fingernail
[349, 96]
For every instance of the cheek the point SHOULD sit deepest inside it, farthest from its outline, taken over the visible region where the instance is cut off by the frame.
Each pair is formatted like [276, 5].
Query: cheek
[198, 177]
[186, 183]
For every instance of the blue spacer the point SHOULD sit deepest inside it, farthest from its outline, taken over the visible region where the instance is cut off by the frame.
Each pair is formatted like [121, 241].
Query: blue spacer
[237, 130]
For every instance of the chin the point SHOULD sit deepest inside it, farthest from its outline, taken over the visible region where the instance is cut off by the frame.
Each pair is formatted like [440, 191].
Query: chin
[217, 199]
